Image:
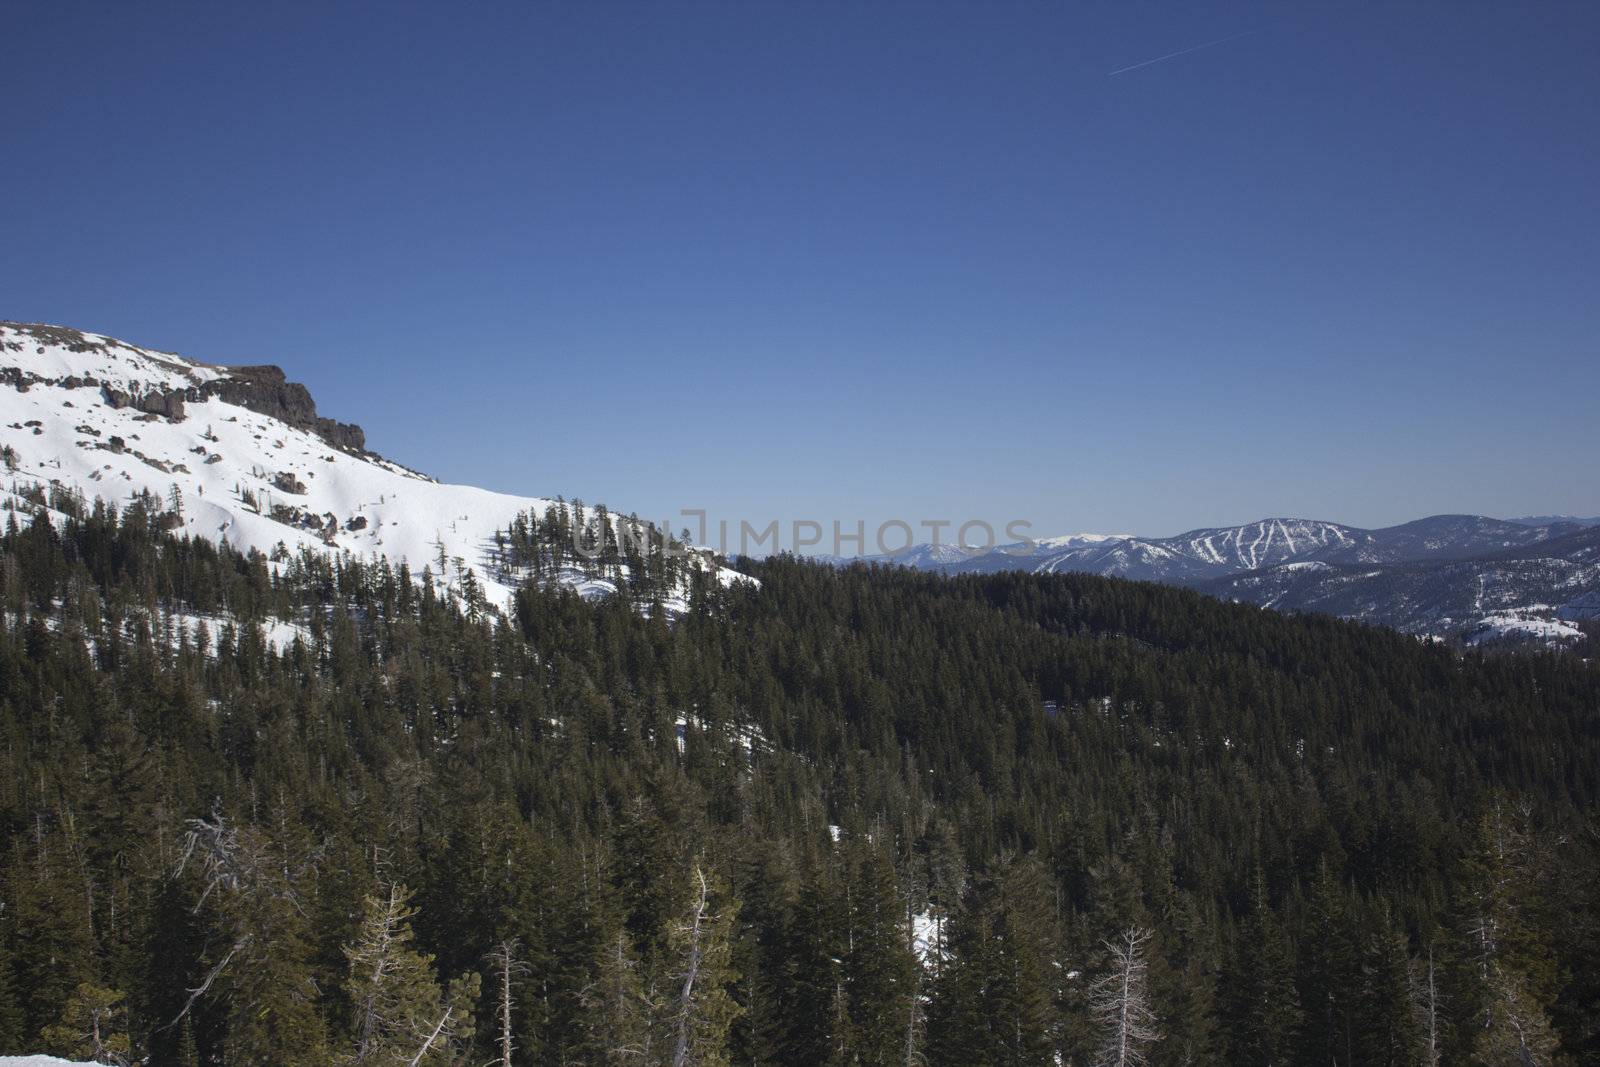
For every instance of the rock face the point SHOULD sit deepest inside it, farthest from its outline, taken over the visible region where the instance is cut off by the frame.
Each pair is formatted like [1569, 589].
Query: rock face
[168, 404]
[267, 391]
[264, 388]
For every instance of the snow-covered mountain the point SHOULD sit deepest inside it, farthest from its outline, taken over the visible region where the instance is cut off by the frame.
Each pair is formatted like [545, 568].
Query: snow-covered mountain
[1531, 591]
[1202, 553]
[1462, 575]
[241, 455]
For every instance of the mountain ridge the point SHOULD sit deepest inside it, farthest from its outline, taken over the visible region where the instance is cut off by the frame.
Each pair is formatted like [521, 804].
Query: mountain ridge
[1401, 575]
[240, 454]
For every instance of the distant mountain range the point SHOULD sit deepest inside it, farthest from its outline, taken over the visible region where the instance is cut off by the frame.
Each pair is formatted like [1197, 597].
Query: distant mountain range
[1465, 576]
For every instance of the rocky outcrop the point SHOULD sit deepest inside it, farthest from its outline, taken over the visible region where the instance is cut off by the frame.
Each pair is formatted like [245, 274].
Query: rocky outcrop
[166, 403]
[266, 390]
[286, 482]
[22, 380]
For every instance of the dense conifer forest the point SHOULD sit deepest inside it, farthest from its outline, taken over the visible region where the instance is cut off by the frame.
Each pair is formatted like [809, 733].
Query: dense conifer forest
[861, 816]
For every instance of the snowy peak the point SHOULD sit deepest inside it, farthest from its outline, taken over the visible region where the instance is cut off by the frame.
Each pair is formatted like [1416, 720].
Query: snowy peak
[1076, 540]
[158, 383]
[241, 455]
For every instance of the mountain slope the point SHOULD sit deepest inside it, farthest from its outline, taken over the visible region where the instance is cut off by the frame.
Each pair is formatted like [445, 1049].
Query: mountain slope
[1524, 590]
[1445, 574]
[240, 455]
[1205, 553]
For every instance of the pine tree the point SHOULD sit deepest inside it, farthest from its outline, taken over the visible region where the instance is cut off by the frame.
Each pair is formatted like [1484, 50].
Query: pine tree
[1262, 1017]
[94, 1026]
[1185, 985]
[186, 1054]
[1329, 973]
[649, 876]
[618, 1010]
[1508, 962]
[1387, 1033]
[878, 967]
[994, 1000]
[768, 888]
[12, 1020]
[401, 1018]
[811, 983]
[52, 929]
[255, 881]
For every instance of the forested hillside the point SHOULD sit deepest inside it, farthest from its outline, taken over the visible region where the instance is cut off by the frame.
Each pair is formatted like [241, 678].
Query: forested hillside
[860, 816]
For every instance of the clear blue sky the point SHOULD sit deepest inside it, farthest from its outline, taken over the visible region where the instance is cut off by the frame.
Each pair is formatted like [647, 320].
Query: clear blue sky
[842, 260]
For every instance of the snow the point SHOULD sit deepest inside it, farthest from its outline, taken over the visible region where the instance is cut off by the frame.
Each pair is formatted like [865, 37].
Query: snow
[927, 936]
[221, 451]
[1072, 540]
[1259, 544]
[42, 1061]
[182, 628]
[1500, 627]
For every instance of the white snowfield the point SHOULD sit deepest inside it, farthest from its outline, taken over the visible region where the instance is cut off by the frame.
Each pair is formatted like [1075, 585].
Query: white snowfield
[232, 466]
[1523, 626]
[1074, 540]
[42, 1061]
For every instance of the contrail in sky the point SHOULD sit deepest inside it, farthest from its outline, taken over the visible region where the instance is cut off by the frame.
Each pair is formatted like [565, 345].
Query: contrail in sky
[1182, 52]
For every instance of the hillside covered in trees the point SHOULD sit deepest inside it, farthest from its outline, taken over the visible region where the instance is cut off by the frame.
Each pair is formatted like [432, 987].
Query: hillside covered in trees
[320, 812]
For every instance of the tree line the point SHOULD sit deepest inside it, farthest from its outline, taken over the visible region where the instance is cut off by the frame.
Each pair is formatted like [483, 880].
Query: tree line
[842, 816]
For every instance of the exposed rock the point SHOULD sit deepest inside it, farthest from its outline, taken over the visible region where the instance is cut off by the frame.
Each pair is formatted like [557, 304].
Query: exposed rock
[61, 336]
[166, 403]
[267, 391]
[285, 481]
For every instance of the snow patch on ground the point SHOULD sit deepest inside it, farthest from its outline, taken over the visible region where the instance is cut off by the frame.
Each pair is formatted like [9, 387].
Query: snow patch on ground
[927, 936]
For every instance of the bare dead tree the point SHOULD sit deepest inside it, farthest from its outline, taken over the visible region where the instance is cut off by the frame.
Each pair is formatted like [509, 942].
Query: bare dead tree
[238, 863]
[1119, 1002]
[691, 971]
[914, 1023]
[232, 861]
[441, 1030]
[378, 956]
[211, 976]
[503, 958]
[1425, 1006]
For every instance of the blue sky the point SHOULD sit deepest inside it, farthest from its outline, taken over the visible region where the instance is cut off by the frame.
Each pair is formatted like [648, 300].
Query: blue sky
[829, 260]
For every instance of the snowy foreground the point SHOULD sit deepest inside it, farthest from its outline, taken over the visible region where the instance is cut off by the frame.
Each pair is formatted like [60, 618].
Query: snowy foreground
[105, 419]
[41, 1061]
